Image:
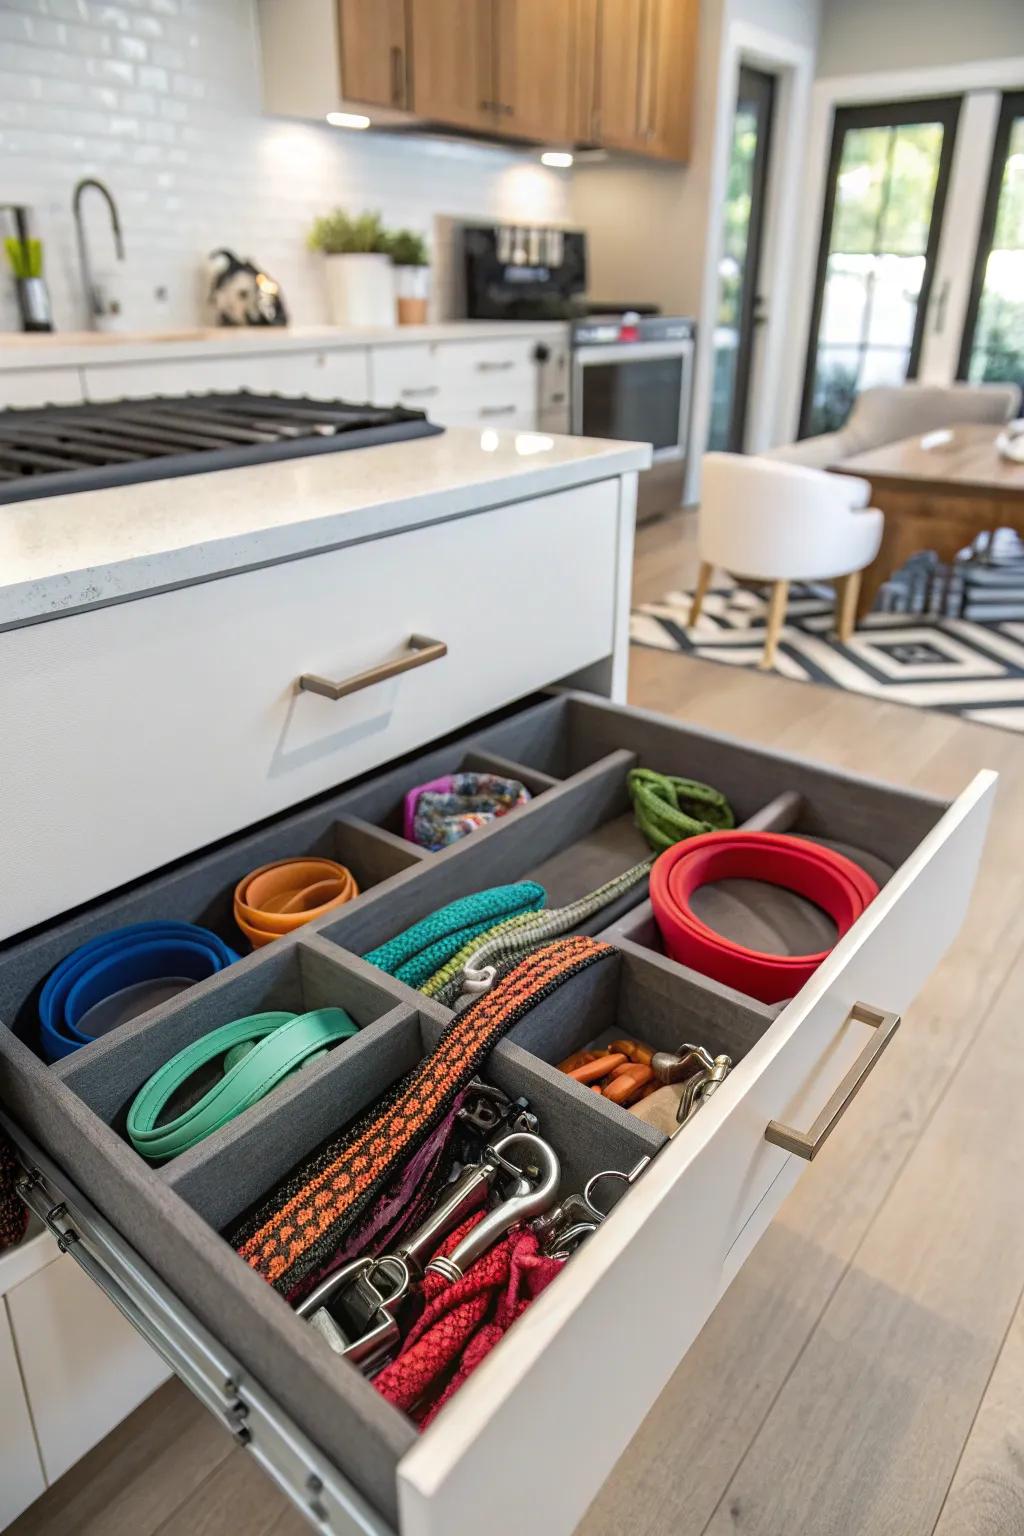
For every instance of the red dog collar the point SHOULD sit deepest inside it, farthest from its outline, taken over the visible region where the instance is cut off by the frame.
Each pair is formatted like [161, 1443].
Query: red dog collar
[833, 882]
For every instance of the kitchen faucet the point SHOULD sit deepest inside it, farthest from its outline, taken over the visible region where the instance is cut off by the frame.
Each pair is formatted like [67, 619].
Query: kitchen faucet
[95, 298]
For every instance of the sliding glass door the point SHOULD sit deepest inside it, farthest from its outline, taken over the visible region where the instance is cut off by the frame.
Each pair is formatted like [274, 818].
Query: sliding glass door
[887, 178]
[993, 343]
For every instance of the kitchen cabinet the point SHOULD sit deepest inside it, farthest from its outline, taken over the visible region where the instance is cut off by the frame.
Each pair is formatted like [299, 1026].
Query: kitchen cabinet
[670, 54]
[21, 1473]
[374, 52]
[616, 73]
[635, 89]
[84, 1366]
[534, 64]
[615, 114]
[453, 54]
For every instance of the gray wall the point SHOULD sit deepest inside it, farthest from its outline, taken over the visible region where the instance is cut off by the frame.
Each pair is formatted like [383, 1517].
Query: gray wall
[860, 36]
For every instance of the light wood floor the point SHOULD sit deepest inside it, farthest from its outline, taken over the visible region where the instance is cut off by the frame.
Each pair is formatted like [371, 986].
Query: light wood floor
[864, 1374]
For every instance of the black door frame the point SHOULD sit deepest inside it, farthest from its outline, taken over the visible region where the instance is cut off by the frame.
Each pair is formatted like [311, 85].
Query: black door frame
[893, 114]
[757, 86]
[1011, 108]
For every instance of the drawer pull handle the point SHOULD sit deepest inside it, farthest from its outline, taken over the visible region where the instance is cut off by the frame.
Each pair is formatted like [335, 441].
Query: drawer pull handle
[497, 410]
[420, 394]
[501, 367]
[809, 1143]
[420, 651]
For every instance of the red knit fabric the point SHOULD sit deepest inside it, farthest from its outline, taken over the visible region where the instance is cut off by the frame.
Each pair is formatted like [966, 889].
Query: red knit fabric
[463, 1320]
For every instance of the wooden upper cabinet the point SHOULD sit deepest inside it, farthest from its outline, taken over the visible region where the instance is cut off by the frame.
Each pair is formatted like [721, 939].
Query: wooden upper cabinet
[668, 65]
[453, 61]
[635, 71]
[535, 63]
[374, 52]
[615, 118]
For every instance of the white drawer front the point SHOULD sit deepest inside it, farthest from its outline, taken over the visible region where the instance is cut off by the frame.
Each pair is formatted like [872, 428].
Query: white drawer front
[490, 371]
[85, 1368]
[138, 732]
[335, 374]
[40, 386]
[407, 375]
[597, 1348]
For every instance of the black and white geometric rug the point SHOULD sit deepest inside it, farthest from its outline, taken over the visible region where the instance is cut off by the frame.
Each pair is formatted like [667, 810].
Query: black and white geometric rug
[956, 665]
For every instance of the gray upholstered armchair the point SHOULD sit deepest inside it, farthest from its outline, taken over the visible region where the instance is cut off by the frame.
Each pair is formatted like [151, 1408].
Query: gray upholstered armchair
[888, 413]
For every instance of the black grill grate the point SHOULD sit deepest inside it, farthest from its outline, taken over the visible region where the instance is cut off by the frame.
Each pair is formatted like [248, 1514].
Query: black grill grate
[57, 449]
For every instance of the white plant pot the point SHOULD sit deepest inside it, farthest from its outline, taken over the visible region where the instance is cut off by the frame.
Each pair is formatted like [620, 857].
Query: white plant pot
[360, 289]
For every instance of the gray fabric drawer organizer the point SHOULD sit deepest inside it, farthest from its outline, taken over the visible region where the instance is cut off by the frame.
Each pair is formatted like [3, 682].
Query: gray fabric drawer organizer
[573, 752]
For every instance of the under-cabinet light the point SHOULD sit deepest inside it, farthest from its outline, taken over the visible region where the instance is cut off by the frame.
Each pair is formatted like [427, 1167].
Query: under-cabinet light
[348, 120]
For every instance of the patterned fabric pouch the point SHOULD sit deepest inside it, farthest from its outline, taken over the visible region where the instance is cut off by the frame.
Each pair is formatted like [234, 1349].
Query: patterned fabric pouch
[447, 809]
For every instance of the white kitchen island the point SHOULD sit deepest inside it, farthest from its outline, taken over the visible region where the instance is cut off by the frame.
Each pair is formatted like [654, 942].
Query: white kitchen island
[152, 639]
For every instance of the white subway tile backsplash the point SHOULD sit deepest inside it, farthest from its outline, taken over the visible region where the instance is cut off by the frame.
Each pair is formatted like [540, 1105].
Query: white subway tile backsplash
[161, 98]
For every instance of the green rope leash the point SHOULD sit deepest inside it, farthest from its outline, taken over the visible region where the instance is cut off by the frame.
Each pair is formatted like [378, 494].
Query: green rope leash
[511, 943]
[669, 809]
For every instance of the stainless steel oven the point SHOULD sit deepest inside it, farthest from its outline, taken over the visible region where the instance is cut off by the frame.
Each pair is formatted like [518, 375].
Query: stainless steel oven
[632, 379]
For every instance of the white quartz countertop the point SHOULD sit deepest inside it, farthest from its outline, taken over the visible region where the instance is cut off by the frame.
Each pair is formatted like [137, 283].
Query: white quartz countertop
[80, 349]
[62, 554]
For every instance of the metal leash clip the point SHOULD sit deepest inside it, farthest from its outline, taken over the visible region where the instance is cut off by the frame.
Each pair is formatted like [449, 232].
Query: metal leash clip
[698, 1085]
[561, 1231]
[356, 1308]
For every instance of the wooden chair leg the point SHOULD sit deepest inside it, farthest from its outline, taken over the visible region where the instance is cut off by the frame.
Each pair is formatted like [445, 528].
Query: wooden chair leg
[776, 616]
[700, 592]
[849, 597]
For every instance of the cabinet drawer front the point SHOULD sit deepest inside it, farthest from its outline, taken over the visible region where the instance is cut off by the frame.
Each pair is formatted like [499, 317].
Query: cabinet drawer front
[178, 719]
[669, 1250]
[336, 373]
[482, 371]
[407, 375]
[40, 386]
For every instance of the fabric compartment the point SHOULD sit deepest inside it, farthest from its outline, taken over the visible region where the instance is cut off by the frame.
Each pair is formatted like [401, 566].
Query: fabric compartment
[294, 978]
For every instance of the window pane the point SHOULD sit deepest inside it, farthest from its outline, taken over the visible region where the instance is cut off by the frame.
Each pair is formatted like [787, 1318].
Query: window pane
[876, 266]
[911, 190]
[997, 351]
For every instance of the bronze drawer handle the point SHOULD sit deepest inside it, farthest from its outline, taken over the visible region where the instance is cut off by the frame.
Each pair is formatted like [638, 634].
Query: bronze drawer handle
[809, 1143]
[420, 651]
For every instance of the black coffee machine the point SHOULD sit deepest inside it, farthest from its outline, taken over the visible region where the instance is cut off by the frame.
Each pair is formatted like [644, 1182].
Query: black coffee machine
[523, 272]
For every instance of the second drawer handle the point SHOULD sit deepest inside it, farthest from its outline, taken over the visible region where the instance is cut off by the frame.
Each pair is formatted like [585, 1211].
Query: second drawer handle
[501, 367]
[497, 410]
[809, 1143]
[422, 393]
[420, 651]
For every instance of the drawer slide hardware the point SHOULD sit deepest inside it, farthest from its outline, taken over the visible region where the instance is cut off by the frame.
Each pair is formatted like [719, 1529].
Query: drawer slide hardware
[321, 1494]
[419, 652]
[809, 1143]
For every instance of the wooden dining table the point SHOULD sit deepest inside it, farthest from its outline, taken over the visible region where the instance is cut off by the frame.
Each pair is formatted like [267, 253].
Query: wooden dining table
[938, 492]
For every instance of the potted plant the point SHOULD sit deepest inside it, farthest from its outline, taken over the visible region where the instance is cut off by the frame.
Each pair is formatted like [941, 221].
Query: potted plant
[360, 280]
[412, 275]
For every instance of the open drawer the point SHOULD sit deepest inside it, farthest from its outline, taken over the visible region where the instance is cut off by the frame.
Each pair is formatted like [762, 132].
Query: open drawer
[557, 1385]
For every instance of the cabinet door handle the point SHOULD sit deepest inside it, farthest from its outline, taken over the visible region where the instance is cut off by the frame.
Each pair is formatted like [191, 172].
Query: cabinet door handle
[421, 394]
[397, 77]
[501, 367]
[498, 410]
[419, 652]
[809, 1143]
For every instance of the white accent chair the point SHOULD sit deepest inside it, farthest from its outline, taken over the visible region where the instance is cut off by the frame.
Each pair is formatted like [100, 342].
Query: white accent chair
[763, 521]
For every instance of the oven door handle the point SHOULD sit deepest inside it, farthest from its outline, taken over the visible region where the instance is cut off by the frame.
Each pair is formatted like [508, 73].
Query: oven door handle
[632, 351]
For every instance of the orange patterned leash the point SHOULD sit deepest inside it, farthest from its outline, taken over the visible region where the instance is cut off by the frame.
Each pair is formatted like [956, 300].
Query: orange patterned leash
[294, 1232]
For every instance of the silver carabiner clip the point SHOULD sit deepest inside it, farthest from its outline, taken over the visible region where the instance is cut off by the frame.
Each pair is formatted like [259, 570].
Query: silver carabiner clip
[527, 1199]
